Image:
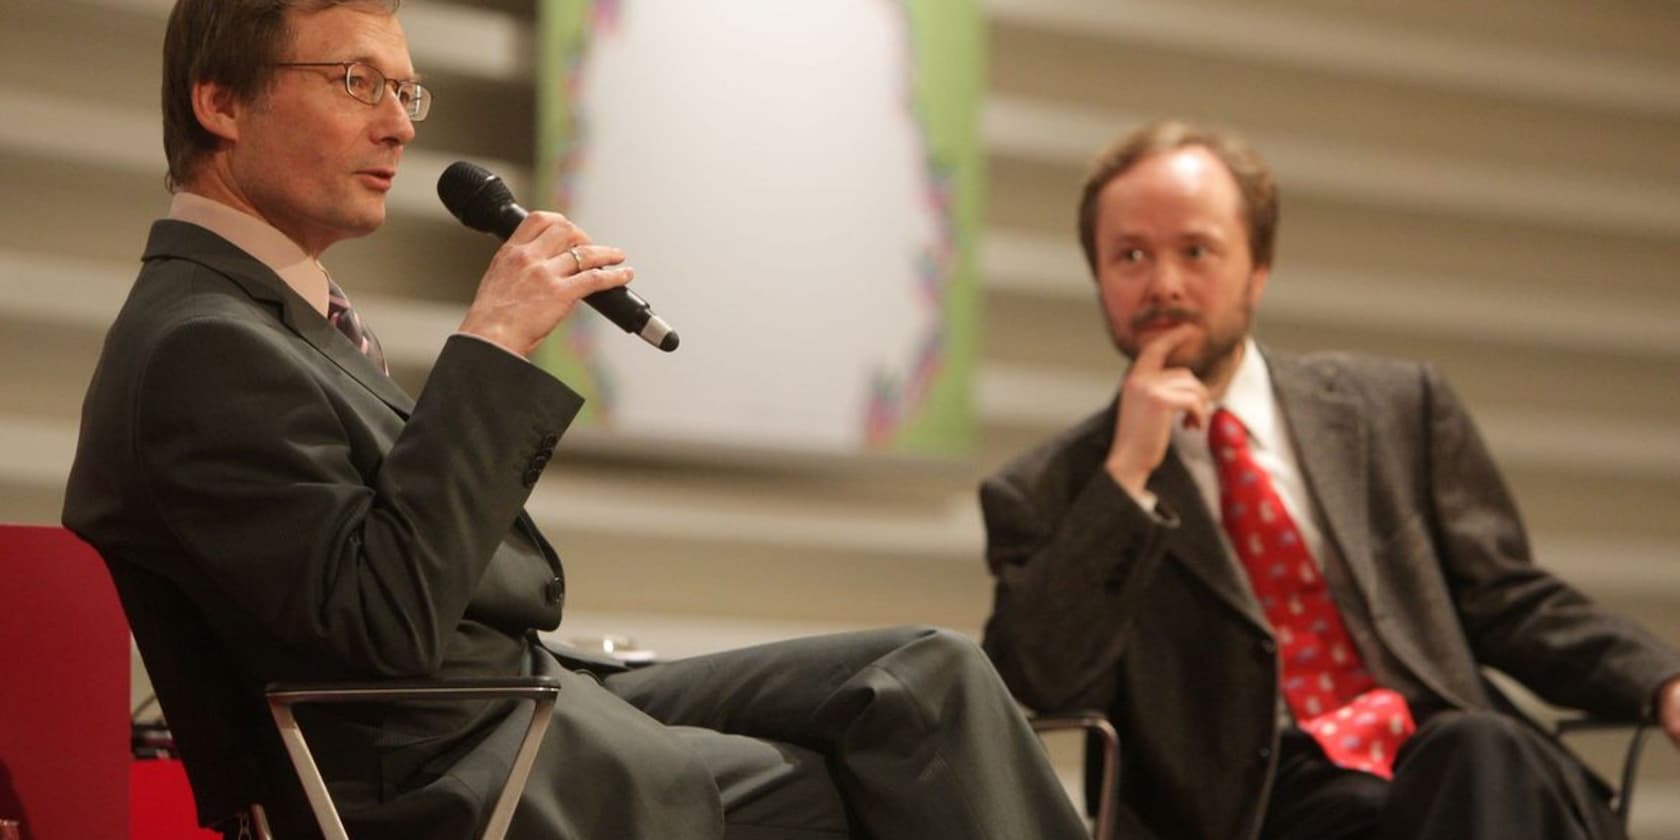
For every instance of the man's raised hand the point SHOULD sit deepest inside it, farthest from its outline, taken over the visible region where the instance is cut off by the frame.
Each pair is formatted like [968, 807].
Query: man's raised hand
[536, 279]
[1152, 395]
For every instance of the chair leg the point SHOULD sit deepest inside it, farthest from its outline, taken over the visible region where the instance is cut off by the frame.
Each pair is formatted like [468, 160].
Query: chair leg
[1104, 826]
[1630, 773]
[259, 823]
[1107, 808]
[314, 787]
[502, 816]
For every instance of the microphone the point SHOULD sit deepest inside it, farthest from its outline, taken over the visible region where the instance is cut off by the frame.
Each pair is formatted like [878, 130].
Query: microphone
[483, 202]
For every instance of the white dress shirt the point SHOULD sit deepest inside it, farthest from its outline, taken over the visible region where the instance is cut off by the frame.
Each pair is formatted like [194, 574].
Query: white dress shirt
[259, 239]
[1249, 396]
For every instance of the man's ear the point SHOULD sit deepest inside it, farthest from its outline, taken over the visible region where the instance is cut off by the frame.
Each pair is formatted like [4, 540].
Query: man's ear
[217, 109]
[1257, 284]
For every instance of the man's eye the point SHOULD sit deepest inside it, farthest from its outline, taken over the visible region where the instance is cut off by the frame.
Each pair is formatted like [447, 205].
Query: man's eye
[359, 80]
[1131, 255]
[1196, 252]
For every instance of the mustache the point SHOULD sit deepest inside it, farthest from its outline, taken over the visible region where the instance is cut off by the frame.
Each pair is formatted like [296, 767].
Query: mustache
[1172, 316]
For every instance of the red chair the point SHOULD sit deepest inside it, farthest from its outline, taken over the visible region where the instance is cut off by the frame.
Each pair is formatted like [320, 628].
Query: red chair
[64, 695]
[161, 803]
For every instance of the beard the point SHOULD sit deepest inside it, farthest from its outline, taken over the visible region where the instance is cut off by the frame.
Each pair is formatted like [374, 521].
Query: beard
[1211, 359]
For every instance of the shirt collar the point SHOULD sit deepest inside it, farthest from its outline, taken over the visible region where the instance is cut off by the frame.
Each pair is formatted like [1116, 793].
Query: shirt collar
[1249, 397]
[303, 273]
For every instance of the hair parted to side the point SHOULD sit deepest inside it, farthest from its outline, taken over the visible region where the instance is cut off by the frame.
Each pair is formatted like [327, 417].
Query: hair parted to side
[1253, 175]
[234, 43]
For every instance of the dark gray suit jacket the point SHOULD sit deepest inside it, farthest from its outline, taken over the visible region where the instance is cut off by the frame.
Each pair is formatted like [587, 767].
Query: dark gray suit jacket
[1100, 605]
[322, 524]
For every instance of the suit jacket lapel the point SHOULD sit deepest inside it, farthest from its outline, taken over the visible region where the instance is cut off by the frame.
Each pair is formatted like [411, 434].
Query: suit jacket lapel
[182, 240]
[1198, 543]
[1331, 437]
[326, 338]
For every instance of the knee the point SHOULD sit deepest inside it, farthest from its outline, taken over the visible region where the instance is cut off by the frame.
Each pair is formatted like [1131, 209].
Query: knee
[949, 646]
[932, 661]
[1494, 770]
[1473, 734]
[1473, 727]
[930, 638]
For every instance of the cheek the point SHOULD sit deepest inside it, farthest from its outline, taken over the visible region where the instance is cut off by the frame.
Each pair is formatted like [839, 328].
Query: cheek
[1116, 294]
[1113, 304]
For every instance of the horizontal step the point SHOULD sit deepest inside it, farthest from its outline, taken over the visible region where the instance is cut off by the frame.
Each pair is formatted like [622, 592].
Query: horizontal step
[1069, 136]
[98, 135]
[1012, 262]
[38, 452]
[444, 37]
[1036, 264]
[1019, 396]
[1275, 35]
[1047, 398]
[458, 38]
[123, 137]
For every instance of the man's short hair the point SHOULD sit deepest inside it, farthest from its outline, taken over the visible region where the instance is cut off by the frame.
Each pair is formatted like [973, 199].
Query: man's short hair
[1253, 175]
[233, 43]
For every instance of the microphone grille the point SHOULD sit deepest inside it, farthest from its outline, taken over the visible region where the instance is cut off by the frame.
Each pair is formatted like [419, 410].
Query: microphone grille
[473, 194]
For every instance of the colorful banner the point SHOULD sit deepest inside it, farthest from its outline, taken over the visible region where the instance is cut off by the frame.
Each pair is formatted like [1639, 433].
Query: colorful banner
[798, 186]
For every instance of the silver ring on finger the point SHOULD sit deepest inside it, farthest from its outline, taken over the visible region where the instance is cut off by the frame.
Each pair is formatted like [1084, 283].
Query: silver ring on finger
[577, 260]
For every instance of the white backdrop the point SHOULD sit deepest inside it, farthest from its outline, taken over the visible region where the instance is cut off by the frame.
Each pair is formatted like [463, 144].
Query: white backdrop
[762, 164]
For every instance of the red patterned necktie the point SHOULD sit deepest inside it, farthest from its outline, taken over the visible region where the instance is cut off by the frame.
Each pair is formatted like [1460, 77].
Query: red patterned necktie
[342, 316]
[1359, 724]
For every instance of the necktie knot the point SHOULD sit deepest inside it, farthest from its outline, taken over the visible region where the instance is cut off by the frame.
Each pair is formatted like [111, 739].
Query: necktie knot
[1228, 443]
[344, 318]
[1226, 432]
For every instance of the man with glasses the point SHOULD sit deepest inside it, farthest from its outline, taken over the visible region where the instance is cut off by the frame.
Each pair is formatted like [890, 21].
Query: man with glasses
[242, 443]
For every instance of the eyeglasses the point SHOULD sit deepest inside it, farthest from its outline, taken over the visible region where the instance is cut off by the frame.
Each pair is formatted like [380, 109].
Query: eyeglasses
[367, 84]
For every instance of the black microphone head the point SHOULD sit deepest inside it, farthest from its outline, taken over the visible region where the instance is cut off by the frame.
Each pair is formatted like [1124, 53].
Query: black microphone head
[475, 195]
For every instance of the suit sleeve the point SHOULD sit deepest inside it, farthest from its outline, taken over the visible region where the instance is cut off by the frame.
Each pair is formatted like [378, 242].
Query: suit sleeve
[1518, 617]
[1069, 568]
[253, 465]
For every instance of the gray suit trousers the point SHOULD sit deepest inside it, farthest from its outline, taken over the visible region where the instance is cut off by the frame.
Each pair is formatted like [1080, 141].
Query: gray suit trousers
[901, 734]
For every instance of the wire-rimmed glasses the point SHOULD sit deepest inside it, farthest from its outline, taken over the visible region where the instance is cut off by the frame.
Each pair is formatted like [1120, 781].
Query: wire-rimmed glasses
[366, 84]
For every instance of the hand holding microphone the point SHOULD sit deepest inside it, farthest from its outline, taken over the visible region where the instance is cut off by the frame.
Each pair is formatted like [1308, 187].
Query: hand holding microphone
[548, 264]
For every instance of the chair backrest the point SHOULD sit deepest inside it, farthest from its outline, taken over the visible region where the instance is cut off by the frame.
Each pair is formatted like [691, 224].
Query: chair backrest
[220, 722]
[64, 690]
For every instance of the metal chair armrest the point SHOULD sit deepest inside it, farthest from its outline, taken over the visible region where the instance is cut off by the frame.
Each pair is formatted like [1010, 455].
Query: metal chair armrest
[543, 691]
[1095, 723]
[474, 688]
[1641, 729]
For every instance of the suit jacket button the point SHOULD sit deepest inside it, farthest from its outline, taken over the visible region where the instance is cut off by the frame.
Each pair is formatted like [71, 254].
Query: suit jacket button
[550, 441]
[1268, 647]
[531, 476]
[555, 591]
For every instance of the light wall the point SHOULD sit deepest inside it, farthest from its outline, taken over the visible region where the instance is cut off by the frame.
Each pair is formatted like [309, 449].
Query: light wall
[1491, 186]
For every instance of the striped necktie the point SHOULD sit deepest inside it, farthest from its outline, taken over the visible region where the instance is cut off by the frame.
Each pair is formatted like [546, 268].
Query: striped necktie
[342, 316]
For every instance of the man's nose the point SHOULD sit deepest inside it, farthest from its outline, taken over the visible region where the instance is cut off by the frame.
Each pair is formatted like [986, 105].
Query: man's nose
[394, 124]
[1165, 281]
